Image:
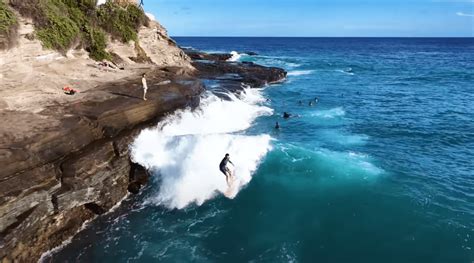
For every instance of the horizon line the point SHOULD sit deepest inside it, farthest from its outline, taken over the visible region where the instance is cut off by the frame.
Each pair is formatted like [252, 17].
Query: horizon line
[327, 36]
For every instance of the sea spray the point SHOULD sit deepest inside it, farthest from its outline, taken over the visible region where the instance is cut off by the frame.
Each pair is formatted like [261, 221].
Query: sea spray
[185, 149]
[235, 56]
[300, 72]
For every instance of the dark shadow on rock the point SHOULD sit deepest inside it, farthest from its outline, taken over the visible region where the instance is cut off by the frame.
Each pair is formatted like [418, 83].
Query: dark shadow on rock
[125, 95]
[138, 177]
[95, 208]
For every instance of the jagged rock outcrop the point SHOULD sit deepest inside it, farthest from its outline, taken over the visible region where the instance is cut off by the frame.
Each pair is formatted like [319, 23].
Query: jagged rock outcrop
[247, 73]
[154, 46]
[198, 55]
[233, 74]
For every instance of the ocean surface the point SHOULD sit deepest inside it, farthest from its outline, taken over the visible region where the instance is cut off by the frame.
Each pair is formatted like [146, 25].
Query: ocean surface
[380, 169]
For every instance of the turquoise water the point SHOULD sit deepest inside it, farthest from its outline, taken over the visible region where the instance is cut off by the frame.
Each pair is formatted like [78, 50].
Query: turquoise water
[379, 170]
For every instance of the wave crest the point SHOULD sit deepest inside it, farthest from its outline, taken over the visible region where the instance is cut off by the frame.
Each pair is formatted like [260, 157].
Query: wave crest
[235, 56]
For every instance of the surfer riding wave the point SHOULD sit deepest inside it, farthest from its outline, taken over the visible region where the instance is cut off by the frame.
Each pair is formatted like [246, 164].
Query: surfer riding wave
[223, 166]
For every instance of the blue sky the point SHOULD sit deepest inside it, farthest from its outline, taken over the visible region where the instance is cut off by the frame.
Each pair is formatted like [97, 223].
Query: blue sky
[324, 18]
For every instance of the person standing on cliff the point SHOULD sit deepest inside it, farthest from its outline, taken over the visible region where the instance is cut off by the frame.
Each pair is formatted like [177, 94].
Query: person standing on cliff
[145, 87]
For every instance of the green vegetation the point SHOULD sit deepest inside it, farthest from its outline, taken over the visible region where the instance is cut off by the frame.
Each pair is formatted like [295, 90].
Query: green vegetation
[63, 24]
[60, 31]
[96, 42]
[8, 26]
[121, 22]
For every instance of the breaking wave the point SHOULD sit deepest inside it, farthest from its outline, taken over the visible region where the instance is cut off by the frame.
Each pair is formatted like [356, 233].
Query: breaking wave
[185, 149]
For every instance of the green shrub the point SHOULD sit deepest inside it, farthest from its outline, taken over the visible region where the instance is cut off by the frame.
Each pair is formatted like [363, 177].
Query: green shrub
[62, 23]
[60, 31]
[121, 22]
[96, 43]
[8, 26]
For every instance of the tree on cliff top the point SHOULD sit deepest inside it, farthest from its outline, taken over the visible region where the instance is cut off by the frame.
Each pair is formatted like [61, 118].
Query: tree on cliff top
[8, 26]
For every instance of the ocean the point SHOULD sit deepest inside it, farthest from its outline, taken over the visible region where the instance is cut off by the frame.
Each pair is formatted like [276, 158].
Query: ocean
[380, 169]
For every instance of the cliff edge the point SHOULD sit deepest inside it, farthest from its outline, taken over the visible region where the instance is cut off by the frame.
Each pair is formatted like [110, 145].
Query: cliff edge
[64, 158]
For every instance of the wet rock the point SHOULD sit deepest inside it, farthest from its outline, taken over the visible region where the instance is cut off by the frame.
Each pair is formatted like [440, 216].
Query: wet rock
[246, 73]
[198, 55]
[233, 75]
[138, 177]
[95, 208]
[134, 187]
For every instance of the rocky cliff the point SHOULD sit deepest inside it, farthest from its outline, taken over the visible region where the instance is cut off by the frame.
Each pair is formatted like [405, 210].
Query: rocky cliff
[65, 159]
[68, 163]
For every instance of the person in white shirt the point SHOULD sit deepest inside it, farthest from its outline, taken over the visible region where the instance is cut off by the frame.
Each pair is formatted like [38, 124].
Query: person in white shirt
[145, 87]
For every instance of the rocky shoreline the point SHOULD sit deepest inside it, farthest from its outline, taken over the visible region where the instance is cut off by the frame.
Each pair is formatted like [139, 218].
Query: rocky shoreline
[70, 162]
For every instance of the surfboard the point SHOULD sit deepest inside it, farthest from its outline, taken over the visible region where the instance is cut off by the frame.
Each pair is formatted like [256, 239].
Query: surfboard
[233, 188]
[231, 191]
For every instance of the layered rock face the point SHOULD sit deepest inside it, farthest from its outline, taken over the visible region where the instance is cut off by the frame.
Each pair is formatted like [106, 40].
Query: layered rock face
[154, 47]
[64, 165]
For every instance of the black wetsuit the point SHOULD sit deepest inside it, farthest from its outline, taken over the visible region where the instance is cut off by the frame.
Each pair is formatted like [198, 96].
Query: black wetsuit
[223, 165]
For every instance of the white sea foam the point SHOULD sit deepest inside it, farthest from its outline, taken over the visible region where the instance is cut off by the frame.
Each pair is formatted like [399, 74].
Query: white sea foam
[235, 56]
[347, 71]
[185, 149]
[329, 114]
[300, 72]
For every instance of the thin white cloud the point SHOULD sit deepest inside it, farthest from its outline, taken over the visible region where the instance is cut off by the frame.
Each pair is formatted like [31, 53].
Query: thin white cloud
[464, 14]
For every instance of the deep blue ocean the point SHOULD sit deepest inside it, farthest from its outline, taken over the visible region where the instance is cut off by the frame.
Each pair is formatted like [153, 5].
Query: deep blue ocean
[380, 169]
